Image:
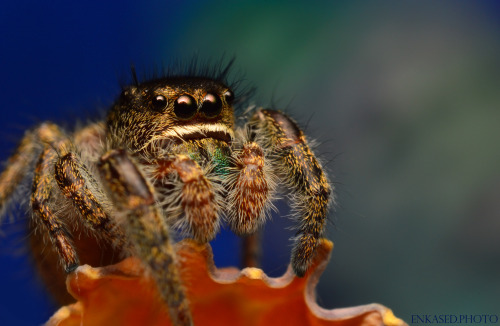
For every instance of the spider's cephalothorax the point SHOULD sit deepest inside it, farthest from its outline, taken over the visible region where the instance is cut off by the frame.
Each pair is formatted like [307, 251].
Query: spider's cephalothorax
[168, 156]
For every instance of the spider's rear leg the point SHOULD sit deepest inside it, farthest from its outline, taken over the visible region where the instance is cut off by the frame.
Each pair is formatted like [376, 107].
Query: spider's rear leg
[21, 161]
[251, 250]
[77, 184]
[148, 231]
[297, 165]
[191, 194]
[42, 192]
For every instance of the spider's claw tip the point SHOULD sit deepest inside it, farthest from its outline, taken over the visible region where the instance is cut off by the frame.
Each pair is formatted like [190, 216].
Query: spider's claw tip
[299, 270]
[71, 268]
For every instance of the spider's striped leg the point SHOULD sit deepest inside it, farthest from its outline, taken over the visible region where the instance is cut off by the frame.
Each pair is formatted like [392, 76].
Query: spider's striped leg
[192, 194]
[299, 168]
[146, 228]
[42, 193]
[20, 162]
[77, 184]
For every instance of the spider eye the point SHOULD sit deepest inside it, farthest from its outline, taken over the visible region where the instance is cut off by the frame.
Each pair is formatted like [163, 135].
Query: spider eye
[159, 102]
[229, 96]
[211, 106]
[185, 107]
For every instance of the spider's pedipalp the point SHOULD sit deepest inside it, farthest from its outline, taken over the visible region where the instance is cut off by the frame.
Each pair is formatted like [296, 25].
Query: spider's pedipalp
[146, 228]
[194, 196]
[297, 165]
[249, 190]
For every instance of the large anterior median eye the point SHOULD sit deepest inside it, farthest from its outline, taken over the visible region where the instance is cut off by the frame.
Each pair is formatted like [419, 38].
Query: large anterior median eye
[211, 106]
[185, 107]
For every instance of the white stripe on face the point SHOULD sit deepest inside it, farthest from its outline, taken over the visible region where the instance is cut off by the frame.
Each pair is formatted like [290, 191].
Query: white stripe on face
[190, 131]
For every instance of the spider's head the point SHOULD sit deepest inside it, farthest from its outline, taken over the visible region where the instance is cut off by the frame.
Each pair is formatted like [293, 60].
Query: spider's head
[172, 109]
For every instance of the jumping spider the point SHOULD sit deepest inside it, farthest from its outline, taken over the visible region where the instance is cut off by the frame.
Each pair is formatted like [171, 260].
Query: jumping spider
[169, 155]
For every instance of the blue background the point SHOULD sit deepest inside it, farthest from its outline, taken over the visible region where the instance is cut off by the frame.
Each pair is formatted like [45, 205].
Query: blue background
[402, 97]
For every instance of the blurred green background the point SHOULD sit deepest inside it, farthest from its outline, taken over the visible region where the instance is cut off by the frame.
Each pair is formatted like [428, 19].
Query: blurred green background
[402, 98]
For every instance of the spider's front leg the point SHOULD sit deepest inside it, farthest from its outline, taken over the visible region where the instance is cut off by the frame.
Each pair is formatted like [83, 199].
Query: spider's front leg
[301, 171]
[147, 229]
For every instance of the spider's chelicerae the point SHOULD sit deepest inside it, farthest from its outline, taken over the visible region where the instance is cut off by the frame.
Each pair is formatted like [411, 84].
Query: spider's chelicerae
[169, 155]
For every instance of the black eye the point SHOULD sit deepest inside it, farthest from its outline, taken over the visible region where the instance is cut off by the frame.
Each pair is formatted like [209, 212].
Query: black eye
[229, 96]
[185, 107]
[211, 106]
[159, 102]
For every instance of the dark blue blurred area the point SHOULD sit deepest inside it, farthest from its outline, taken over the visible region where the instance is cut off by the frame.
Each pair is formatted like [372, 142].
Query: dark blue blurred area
[64, 62]
[406, 92]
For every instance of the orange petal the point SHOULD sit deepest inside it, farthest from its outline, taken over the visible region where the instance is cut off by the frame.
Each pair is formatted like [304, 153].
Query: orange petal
[123, 294]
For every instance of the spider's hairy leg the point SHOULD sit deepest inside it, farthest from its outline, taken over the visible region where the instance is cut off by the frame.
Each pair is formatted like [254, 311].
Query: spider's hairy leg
[249, 190]
[89, 140]
[21, 161]
[251, 250]
[74, 180]
[197, 196]
[42, 192]
[147, 230]
[311, 192]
